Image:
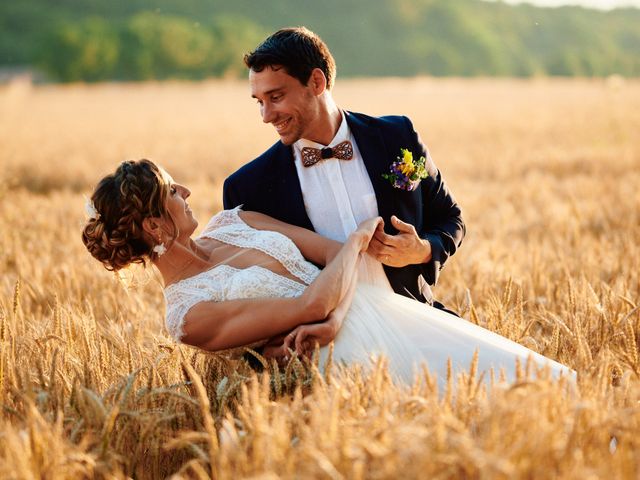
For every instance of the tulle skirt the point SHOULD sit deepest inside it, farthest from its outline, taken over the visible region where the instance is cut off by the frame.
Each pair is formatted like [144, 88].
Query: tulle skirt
[411, 334]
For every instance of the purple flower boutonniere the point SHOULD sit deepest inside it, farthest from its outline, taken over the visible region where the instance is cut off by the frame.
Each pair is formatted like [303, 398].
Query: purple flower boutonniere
[406, 173]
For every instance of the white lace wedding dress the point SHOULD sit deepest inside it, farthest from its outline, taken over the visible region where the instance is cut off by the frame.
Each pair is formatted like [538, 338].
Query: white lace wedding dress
[379, 322]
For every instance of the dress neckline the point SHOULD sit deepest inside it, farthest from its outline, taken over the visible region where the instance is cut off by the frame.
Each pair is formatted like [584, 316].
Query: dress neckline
[216, 229]
[235, 216]
[182, 280]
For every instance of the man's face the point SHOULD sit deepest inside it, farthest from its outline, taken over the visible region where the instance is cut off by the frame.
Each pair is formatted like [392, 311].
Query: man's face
[292, 108]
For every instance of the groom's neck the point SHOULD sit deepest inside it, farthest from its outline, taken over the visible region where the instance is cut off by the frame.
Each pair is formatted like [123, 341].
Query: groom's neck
[329, 122]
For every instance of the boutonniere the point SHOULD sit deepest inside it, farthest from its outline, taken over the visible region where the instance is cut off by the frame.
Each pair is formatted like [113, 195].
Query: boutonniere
[406, 173]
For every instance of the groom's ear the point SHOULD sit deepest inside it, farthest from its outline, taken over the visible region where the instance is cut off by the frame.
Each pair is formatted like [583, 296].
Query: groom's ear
[317, 81]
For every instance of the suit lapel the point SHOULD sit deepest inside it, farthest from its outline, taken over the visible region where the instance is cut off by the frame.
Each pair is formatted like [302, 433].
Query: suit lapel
[376, 159]
[288, 191]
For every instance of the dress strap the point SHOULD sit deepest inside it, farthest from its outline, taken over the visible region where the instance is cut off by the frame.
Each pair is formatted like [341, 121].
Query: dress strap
[229, 228]
[223, 218]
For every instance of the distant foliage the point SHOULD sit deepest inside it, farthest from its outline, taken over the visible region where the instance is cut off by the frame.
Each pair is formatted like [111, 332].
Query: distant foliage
[88, 50]
[156, 46]
[146, 46]
[141, 39]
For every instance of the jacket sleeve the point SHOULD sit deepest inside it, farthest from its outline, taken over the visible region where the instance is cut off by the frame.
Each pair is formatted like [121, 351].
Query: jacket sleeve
[442, 225]
[230, 197]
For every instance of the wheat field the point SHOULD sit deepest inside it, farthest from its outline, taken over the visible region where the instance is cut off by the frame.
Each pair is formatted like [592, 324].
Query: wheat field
[548, 175]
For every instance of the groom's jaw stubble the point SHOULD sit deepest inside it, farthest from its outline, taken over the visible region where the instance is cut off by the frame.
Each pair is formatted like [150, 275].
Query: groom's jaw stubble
[299, 122]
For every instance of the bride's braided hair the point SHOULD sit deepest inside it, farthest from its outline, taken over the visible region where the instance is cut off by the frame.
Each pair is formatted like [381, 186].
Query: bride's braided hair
[122, 200]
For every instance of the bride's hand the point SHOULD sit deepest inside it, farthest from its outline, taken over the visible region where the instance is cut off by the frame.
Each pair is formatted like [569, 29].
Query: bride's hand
[365, 231]
[305, 337]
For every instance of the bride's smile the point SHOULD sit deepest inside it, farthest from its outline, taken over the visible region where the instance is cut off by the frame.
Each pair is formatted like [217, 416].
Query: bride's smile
[180, 212]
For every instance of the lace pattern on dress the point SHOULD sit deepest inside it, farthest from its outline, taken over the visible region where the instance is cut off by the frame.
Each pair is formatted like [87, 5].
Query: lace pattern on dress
[231, 229]
[181, 296]
[222, 218]
[221, 283]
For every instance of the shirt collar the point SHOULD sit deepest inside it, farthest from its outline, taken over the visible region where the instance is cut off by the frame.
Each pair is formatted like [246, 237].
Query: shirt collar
[343, 133]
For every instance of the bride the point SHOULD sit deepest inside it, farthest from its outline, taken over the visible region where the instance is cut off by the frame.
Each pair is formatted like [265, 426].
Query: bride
[249, 278]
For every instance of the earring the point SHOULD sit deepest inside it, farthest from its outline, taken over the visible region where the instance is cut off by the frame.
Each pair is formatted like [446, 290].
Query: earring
[160, 249]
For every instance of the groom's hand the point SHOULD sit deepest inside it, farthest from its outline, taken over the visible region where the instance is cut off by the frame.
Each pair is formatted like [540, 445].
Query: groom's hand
[405, 248]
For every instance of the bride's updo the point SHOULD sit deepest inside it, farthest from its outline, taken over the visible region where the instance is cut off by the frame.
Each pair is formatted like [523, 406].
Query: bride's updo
[121, 201]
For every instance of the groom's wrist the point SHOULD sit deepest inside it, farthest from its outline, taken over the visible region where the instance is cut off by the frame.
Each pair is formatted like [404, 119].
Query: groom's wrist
[425, 251]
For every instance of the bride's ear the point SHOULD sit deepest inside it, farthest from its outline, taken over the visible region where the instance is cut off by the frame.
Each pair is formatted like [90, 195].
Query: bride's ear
[151, 226]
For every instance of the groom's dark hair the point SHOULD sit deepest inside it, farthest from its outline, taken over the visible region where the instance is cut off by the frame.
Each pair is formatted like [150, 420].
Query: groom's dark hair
[298, 50]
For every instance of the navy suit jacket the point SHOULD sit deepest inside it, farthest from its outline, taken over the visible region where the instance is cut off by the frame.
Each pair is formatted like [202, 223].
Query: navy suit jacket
[269, 184]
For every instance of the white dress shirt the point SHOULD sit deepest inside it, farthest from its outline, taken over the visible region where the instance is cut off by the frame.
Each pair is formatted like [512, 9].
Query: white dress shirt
[338, 195]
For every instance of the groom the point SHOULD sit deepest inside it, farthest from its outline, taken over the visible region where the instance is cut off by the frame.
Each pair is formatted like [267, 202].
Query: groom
[326, 171]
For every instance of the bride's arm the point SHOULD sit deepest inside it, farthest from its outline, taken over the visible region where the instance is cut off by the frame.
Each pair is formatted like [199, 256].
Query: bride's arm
[234, 323]
[314, 247]
[304, 337]
[229, 324]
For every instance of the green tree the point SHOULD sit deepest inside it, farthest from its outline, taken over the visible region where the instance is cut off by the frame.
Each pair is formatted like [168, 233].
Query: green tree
[158, 46]
[87, 51]
[147, 39]
[235, 36]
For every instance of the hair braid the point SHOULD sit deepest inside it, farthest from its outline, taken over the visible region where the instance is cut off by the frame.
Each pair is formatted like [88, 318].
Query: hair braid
[137, 190]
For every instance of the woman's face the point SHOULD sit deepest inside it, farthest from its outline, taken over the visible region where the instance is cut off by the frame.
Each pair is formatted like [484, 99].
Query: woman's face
[180, 212]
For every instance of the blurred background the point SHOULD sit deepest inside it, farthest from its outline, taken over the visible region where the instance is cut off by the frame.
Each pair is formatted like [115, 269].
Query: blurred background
[134, 40]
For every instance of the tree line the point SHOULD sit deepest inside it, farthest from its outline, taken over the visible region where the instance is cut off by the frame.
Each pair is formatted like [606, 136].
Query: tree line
[147, 46]
[94, 40]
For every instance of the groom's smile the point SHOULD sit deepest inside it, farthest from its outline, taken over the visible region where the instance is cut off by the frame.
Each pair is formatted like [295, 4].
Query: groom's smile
[281, 126]
[284, 102]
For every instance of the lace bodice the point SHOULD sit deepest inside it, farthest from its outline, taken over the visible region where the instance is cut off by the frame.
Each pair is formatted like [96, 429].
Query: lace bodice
[224, 282]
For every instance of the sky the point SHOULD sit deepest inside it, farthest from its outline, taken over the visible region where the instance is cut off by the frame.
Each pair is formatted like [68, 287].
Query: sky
[601, 4]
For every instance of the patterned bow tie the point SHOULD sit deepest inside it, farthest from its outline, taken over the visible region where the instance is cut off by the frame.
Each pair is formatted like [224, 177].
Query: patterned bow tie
[342, 151]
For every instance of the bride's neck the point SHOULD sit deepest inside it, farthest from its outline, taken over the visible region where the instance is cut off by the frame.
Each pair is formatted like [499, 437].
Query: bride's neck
[178, 260]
